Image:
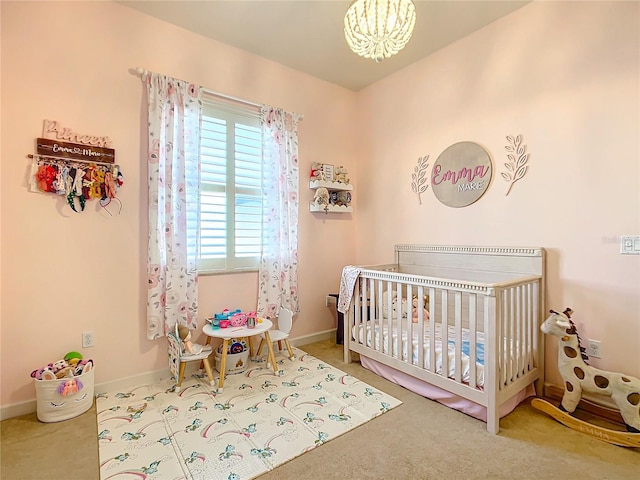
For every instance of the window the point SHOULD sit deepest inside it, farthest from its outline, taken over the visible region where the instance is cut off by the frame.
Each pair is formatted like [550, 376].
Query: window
[230, 188]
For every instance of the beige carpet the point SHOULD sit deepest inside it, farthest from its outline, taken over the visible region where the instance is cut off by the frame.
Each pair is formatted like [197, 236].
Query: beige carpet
[420, 439]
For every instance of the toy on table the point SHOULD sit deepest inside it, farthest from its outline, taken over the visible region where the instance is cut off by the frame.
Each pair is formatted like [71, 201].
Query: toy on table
[225, 318]
[226, 314]
[252, 319]
[234, 318]
[190, 348]
[238, 319]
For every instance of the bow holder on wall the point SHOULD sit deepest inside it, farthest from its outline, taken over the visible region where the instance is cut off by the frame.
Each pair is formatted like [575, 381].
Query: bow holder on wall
[77, 166]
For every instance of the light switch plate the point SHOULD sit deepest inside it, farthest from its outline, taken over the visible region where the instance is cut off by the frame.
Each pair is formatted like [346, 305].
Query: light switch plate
[630, 244]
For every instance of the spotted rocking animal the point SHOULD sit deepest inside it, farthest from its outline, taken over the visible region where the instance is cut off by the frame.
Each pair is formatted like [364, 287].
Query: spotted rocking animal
[578, 376]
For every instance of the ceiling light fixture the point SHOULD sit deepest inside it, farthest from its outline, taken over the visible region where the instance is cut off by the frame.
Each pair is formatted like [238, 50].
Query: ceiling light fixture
[379, 28]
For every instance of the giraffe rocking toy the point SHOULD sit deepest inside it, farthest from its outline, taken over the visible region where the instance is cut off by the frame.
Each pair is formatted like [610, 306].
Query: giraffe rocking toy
[578, 376]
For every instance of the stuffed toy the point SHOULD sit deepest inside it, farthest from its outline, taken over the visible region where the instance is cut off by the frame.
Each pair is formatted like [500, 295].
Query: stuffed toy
[414, 310]
[316, 171]
[188, 347]
[343, 198]
[39, 373]
[394, 305]
[341, 175]
[61, 368]
[321, 197]
[83, 366]
[425, 306]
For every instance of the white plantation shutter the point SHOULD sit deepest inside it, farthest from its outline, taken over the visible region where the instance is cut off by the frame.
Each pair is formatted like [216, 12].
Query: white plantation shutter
[230, 188]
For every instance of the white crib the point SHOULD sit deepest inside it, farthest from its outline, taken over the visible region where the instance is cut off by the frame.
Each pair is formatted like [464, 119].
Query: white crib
[485, 304]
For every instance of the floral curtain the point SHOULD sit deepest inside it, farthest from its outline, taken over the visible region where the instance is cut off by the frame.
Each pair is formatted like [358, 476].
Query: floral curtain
[174, 118]
[278, 278]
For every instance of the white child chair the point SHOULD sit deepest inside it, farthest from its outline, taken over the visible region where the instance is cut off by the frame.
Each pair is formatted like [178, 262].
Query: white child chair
[285, 321]
[178, 360]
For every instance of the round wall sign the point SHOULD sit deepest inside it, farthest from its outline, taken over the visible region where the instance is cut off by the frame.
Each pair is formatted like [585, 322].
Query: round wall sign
[461, 174]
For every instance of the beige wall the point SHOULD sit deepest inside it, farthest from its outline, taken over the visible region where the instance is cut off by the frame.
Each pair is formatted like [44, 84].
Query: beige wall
[64, 273]
[564, 75]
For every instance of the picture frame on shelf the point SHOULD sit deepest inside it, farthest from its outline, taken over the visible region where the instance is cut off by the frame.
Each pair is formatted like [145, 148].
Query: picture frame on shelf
[328, 171]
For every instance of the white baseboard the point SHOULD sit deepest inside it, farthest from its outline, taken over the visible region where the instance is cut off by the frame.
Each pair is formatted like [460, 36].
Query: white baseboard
[122, 384]
[314, 337]
[29, 406]
[17, 409]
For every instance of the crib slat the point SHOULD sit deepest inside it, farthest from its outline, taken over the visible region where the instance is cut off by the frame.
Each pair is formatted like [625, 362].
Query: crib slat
[510, 347]
[492, 310]
[369, 338]
[432, 330]
[473, 353]
[409, 324]
[397, 349]
[444, 333]
[520, 330]
[458, 337]
[420, 326]
[502, 367]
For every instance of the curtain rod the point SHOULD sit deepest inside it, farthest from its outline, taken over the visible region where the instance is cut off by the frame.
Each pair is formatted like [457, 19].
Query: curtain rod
[141, 71]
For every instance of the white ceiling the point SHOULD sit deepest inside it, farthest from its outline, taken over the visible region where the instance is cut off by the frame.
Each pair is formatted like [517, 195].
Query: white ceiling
[308, 35]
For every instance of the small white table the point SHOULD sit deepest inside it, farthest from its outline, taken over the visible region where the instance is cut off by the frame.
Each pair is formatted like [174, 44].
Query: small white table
[228, 333]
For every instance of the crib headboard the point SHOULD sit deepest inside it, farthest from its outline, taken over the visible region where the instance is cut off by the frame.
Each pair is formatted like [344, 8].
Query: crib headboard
[517, 260]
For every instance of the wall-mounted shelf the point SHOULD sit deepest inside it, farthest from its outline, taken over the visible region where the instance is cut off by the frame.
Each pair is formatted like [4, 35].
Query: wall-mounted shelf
[330, 208]
[314, 184]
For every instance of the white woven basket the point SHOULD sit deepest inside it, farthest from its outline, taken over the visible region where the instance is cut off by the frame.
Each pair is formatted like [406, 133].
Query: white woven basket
[236, 362]
[55, 405]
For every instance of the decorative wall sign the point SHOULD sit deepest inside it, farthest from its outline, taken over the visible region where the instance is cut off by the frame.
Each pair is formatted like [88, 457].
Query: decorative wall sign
[74, 151]
[516, 165]
[53, 130]
[419, 177]
[461, 174]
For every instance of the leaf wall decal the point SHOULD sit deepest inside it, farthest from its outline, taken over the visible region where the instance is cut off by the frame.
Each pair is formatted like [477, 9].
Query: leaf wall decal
[516, 165]
[419, 177]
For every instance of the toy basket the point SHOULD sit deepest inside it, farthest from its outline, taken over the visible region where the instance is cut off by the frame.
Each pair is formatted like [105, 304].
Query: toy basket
[64, 398]
[236, 362]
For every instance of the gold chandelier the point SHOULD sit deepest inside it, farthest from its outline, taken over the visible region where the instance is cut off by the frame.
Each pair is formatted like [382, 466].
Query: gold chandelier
[379, 28]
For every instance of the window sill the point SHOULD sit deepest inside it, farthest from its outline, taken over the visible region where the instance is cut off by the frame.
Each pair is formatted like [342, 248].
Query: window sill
[204, 273]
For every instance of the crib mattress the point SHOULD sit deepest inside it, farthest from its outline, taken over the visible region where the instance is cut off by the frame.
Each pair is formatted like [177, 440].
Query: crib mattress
[373, 328]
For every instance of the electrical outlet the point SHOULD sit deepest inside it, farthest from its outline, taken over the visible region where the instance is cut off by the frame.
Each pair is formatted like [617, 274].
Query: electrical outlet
[630, 244]
[327, 301]
[87, 339]
[593, 348]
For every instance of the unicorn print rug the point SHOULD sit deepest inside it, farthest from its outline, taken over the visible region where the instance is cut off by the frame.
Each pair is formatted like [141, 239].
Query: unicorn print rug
[258, 422]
